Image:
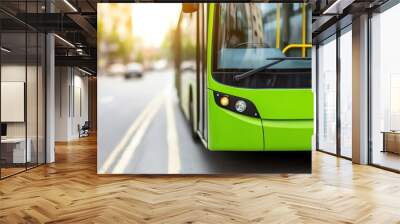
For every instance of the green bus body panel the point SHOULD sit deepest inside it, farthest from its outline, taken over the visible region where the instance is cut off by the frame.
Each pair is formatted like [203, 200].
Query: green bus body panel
[289, 135]
[273, 104]
[286, 122]
[229, 131]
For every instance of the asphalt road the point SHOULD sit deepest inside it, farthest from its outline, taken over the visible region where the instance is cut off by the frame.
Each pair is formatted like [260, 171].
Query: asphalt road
[141, 130]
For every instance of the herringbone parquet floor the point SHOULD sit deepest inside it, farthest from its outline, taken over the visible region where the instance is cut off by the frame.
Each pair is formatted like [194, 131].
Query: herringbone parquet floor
[69, 191]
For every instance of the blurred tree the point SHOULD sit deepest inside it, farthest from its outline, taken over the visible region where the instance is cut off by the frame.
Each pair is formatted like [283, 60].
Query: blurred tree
[115, 34]
[167, 50]
[139, 57]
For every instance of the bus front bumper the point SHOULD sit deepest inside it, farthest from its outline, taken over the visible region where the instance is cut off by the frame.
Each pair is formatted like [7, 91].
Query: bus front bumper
[229, 131]
[287, 135]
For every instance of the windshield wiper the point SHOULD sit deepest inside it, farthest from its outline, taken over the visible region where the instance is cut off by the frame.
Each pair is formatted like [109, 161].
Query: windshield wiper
[276, 60]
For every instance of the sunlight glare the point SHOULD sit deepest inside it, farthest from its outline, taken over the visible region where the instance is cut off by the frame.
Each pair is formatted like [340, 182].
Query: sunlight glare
[151, 21]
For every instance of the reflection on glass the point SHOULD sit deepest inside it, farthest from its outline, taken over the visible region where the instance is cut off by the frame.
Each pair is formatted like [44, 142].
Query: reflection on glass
[255, 28]
[327, 96]
[346, 94]
[251, 34]
[22, 90]
[385, 89]
[15, 149]
[186, 63]
[31, 101]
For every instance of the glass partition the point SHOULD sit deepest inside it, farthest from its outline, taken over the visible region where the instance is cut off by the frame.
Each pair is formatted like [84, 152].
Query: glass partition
[32, 96]
[346, 93]
[15, 149]
[327, 95]
[35, 53]
[22, 88]
[385, 89]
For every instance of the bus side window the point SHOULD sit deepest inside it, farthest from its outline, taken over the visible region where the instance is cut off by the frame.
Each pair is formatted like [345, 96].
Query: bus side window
[188, 42]
[185, 49]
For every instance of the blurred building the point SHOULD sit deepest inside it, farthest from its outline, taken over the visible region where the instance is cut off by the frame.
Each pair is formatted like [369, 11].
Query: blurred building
[249, 15]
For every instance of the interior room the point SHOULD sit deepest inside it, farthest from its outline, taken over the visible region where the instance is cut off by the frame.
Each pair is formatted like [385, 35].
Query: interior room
[385, 89]
[71, 100]
[22, 99]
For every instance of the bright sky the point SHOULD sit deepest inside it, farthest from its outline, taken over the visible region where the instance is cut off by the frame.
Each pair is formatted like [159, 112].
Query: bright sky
[152, 20]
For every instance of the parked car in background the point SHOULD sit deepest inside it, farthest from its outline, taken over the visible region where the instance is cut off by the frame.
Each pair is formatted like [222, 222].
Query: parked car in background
[133, 70]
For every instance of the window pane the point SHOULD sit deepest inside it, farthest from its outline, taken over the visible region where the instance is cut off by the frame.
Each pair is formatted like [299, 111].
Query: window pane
[31, 97]
[32, 87]
[249, 34]
[327, 96]
[385, 86]
[346, 94]
[14, 153]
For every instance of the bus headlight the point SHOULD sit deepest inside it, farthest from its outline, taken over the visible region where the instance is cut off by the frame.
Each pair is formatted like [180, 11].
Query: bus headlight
[236, 104]
[240, 106]
[224, 101]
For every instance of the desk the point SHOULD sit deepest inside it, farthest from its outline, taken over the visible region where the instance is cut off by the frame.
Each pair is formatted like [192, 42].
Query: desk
[391, 141]
[18, 150]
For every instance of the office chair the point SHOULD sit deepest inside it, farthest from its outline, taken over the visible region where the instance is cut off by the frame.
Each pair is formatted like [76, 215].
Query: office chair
[84, 130]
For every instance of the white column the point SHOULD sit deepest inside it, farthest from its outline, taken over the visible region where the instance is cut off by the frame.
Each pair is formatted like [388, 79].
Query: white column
[50, 92]
[63, 102]
[360, 90]
[50, 99]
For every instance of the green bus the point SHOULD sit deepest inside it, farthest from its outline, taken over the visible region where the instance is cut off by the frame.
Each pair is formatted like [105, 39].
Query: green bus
[243, 75]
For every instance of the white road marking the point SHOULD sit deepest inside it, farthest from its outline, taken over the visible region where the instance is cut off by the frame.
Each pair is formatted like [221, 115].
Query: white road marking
[129, 151]
[174, 161]
[131, 131]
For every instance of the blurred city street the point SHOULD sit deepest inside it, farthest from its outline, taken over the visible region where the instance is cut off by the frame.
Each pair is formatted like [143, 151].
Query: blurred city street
[144, 131]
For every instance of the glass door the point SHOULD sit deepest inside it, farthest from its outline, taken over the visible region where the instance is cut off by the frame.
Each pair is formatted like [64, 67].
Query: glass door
[326, 104]
[345, 93]
[22, 77]
[32, 98]
[385, 89]
[14, 144]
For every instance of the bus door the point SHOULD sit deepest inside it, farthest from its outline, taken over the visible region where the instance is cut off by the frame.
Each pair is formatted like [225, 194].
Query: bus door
[202, 65]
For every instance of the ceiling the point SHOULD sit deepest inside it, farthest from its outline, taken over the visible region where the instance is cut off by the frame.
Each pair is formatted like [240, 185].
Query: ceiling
[75, 23]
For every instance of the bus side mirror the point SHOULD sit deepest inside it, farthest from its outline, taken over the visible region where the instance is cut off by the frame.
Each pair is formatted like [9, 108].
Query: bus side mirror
[190, 7]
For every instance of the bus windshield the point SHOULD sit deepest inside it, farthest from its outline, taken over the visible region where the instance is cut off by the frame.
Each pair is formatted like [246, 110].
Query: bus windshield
[250, 33]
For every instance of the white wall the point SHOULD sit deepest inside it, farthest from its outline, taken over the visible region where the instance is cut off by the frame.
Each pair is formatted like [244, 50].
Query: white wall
[33, 125]
[12, 101]
[71, 94]
[14, 73]
[80, 109]
[17, 73]
[62, 82]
